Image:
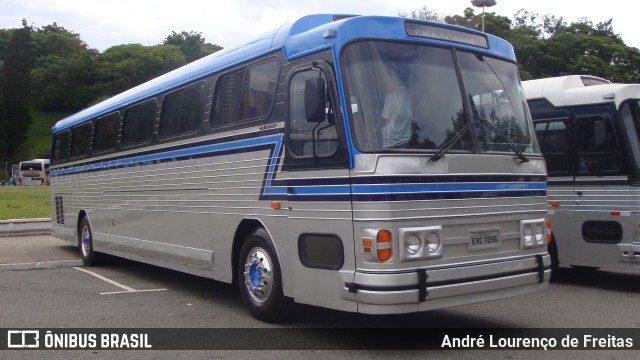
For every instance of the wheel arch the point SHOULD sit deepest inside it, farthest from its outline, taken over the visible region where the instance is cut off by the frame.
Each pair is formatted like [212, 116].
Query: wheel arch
[244, 229]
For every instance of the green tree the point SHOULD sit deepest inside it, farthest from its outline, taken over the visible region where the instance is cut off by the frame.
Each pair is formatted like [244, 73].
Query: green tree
[554, 48]
[3, 116]
[191, 44]
[494, 24]
[122, 67]
[483, 4]
[423, 13]
[17, 77]
[64, 72]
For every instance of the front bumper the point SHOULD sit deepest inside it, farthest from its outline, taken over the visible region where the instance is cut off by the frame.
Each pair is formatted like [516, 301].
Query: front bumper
[444, 286]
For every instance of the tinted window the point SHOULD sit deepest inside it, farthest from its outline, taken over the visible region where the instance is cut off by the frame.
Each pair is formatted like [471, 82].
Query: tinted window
[182, 111]
[303, 132]
[404, 96]
[138, 123]
[552, 137]
[245, 94]
[61, 147]
[106, 133]
[80, 140]
[630, 112]
[598, 149]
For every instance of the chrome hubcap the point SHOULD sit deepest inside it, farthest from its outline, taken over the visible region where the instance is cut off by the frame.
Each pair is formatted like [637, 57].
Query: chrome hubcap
[86, 241]
[258, 275]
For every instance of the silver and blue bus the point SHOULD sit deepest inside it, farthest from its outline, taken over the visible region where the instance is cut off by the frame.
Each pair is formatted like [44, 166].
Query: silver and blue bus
[589, 132]
[366, 164]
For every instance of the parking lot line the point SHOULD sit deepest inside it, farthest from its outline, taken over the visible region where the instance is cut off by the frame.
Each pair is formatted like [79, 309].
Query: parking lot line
[126, 288]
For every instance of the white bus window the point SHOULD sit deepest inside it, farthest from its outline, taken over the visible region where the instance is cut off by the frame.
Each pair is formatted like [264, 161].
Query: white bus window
[631, 116]
[599, 151]
[552, 138]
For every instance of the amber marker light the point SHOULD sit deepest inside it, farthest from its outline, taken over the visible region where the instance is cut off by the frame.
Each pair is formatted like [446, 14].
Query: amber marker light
[383, 245]
[554, 203]
[548, 231]
[367, 245]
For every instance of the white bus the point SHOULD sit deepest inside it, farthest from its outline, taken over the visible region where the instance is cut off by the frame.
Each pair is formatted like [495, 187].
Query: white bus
[285, 166]
[34, 172]
[589, 132]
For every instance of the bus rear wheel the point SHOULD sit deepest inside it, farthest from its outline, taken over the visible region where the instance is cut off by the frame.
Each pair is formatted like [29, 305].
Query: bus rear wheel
[260, 279]
[85, 243]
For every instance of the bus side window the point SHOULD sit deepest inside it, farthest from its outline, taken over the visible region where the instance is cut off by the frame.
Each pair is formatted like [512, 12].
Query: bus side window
[552, 138]
[81, 140]
[307, 127]
[61, 147]
[598, 148]
[138, 123]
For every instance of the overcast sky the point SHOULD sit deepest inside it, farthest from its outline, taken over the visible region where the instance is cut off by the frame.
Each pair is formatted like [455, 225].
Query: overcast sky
[105, 23]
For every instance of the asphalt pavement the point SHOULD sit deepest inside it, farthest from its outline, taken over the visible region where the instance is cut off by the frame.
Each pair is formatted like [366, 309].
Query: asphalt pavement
[35, 249]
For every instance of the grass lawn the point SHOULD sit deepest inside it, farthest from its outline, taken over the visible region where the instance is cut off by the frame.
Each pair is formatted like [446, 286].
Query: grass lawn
[22, 202]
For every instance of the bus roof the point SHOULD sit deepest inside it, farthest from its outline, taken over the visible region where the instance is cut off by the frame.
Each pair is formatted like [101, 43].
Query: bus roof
[575, 90]
[297, 38]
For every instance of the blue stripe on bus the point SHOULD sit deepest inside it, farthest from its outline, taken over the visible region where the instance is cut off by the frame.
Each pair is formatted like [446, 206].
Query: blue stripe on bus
[369, 188]
[388, 197]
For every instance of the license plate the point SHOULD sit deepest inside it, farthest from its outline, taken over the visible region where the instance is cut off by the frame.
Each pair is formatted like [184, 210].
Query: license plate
[484, 239]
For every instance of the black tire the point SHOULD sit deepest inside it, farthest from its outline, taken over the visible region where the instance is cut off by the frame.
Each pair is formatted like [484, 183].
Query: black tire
[260, 279]
[552, 248]
[85, 244]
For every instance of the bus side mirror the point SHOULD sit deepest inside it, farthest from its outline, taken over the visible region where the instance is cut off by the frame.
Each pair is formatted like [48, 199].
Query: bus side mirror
[315, 100]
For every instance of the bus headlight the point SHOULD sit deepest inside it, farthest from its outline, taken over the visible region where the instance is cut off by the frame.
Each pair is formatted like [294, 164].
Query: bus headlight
[421, 243]
[539, 234]
[433, 242]
[532, 233]
[413, 244]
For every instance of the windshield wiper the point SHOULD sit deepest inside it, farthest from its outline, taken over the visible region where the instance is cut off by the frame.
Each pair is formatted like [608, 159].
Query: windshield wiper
[478, 118]
[447, 144]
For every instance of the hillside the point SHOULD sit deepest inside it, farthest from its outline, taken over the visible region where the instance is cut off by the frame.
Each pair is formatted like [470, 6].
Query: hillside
[38, 143]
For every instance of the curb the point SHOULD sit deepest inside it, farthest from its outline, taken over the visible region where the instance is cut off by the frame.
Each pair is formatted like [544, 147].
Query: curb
[58, 264]
[19, 227]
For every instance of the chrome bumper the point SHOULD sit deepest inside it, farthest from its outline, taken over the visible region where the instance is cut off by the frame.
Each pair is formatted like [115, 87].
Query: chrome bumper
[439, 287]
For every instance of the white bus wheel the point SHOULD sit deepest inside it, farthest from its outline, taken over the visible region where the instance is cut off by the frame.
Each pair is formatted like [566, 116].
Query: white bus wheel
[260, 279]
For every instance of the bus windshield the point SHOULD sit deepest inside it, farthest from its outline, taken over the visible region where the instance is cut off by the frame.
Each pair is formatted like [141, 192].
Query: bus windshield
[406, 96]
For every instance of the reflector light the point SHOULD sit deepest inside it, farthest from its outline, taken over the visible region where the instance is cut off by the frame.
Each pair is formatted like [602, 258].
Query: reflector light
[367, 245]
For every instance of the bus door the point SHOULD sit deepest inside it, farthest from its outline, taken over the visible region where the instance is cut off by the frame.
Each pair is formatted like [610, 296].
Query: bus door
[554, 138]
[601, 192]
[318, 188]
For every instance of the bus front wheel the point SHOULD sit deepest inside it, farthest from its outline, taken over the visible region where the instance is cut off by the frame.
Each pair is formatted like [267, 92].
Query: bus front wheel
[260, 279]
[85, 243]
